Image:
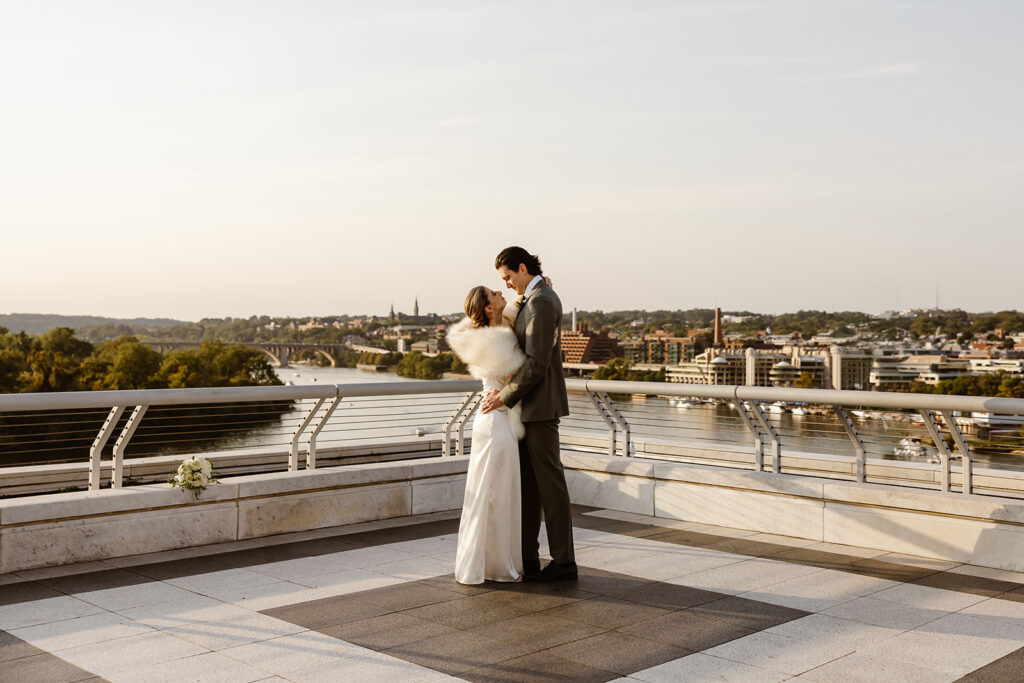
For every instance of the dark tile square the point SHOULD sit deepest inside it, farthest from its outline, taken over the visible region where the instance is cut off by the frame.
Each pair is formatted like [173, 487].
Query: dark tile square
[319, 614]
[43, 667]
[601, 582]
[536, 631]
[465, 613]
[454, 653]
[386, 631]
[742, 546]
[694, 539]
[188, 567]
[325, 546]
[1008, 668]
[15, 648]
[406, 596]
[606, 613]
[1016, 595]
[619, 652]
[449, 583]
[528, 601]
[965, 583]
[670, 596]
[539, 667]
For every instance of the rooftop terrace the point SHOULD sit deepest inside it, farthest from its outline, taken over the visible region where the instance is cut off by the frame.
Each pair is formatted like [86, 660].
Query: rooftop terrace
[657, 600]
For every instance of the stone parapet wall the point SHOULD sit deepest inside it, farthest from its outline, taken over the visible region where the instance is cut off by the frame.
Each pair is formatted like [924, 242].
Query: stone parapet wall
[980, 530]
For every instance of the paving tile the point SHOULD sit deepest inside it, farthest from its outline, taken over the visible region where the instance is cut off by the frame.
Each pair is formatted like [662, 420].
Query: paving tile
[746, 547]
[95, 581]
[319, 614]
[857, 667]
[187, 611]
[605, 612]
[221, 635]
[538, 631]
[668, 596]
[997, 608]
[60, 608]
[63, 570]
[449, 583]
[926, 597]
[819, 591]
[870, 610]
[816, 558]
[618, 652]
[825, 630]
[456, 652]
[702, 667]
[741, 577]
[135, 652]
[134, 595]
[189, 566]
[990, 573]
[539, 667]
[602, 582]
[208, 668]
[779, 653]
[268, 595]
[1008, 668]
[226, 582]
[387, 631]
[371, 668]
[59, 635]
[43, 667]
[349, 581]
[296, 652]
[416, 568]
[528, 600]
[465, 613]
[295, 568]
[918, 561]
[25, 591]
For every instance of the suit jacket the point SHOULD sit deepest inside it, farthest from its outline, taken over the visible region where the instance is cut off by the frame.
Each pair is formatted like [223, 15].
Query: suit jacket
[539, 384]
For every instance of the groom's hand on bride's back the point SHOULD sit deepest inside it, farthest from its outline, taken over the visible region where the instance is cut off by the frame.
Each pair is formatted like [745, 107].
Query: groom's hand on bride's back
[491, 402]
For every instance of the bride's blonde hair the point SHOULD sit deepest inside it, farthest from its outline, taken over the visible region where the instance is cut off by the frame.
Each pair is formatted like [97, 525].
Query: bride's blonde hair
[476, 306]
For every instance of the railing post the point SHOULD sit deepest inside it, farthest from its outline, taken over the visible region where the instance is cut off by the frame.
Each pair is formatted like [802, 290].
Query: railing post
[619, 419]
[858, 444]
[940, 444]
[463, 419]
[117, 475]
[967, 461]
[293, 451]
[608, 420]
[773, 435]
[98, 443]
[446, 444]
[311, 450]
[741, 408]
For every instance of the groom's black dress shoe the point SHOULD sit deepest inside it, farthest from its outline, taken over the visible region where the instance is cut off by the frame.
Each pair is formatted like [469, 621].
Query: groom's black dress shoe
[554, 572]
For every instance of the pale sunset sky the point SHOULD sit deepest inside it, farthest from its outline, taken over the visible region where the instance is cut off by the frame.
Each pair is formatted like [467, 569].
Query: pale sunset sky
[212, 158]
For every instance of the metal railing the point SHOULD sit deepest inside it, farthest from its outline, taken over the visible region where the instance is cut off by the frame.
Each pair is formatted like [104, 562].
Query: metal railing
[737, 426]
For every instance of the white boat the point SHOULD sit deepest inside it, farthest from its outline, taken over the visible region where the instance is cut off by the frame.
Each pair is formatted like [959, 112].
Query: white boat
[681, 403]
[859, 413]
[777, 407]
[798, 410]
[910, 446]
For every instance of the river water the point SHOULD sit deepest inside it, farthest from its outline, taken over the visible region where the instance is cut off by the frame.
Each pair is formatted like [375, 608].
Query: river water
[653, 419]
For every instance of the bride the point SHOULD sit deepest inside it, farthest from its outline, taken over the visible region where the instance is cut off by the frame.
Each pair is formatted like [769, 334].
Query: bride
[490, 547]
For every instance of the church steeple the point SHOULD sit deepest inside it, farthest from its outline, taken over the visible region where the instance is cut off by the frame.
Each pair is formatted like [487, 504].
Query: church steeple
[391, 315]
[416, 307]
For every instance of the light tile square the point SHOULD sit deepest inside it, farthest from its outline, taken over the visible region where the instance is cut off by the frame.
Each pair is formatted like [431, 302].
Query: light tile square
[144, 651]
[61, 635]
[43, 611]
[284, 655]
[926, 597]
[224, 634]
[207, 668]
[860, 668]
[703, 667]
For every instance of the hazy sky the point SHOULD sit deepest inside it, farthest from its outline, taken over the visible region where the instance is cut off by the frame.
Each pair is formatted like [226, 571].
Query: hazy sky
[210, 158]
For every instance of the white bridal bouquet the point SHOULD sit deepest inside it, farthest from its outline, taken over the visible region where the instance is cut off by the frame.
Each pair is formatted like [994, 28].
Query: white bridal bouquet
[193, 475]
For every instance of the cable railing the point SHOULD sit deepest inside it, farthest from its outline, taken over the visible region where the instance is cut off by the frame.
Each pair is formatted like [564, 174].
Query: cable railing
[918, 440]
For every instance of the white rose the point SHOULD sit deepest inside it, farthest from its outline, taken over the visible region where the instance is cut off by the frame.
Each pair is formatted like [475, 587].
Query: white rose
[207, 468]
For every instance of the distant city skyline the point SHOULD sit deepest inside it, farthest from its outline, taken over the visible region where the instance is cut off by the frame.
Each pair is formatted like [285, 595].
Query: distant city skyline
[232, 158]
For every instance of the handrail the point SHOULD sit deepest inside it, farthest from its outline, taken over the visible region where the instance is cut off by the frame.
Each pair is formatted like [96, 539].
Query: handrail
[878, 399]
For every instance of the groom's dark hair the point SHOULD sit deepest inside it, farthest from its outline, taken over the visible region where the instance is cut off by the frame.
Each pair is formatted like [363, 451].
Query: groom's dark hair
[512, 257]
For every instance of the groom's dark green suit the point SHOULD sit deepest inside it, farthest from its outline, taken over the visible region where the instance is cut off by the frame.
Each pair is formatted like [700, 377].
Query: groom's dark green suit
[539, 386]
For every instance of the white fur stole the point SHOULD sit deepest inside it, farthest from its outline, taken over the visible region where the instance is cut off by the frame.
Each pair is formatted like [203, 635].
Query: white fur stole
[490, 353]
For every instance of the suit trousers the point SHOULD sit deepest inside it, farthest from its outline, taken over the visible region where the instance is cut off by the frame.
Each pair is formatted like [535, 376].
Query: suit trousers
[543, 488]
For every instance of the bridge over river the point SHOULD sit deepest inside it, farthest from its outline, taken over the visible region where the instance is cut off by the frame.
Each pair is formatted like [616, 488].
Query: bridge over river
[280, 352]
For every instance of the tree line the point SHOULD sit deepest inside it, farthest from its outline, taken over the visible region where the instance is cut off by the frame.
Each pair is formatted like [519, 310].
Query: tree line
[59, 361]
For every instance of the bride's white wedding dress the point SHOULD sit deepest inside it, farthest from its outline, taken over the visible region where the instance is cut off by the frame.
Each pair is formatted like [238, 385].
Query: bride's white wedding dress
[490, 545]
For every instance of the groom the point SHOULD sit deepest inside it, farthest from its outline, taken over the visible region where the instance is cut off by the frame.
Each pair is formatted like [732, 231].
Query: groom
[540, 386]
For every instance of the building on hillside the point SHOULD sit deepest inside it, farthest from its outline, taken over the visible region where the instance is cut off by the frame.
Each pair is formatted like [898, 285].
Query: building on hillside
[710, 367]
[851, 369]
[661, 348]
[587, 346]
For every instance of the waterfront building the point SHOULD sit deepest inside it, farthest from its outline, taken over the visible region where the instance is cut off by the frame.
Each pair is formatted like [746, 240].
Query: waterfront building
[661, 348]
[587, 346]
[1014, 366]
[851, 369]
[710, 367]
[758, 366]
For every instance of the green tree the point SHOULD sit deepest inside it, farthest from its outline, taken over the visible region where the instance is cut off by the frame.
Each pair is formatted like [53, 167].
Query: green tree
[122, 363]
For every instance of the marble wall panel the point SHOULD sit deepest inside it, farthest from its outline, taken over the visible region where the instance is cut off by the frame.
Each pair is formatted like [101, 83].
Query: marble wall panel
[96, 538]
[611, 491]
[318, 509]
[741, 509]
[984, 543]
[438, 494]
